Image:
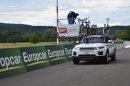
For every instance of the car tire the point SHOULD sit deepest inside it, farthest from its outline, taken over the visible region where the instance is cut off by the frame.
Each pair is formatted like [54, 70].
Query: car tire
[75, 60]
[113, 57]
[106, 59]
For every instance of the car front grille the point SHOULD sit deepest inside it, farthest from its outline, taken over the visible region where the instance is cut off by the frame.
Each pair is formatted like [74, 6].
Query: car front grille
[87, 55]
[90, 48]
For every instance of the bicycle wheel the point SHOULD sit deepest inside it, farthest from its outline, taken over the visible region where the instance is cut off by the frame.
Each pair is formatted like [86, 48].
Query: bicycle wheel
[81, 30]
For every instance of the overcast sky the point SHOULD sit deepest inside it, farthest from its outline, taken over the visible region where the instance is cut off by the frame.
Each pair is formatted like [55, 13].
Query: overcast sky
[43, 12]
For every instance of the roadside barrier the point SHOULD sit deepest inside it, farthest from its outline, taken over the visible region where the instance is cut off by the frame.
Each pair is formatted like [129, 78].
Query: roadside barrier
[34, 57]
[127, 44]
[11, 62]
[15, 61]
[119, 45]
[68, 50]
[56, 54]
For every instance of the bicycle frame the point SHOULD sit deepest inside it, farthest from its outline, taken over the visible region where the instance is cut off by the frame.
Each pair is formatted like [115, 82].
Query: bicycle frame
[84, 29]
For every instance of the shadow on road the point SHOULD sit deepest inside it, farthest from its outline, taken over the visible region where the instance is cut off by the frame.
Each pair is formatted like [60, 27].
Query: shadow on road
[91, 63]
[118, 61]
[98, 62]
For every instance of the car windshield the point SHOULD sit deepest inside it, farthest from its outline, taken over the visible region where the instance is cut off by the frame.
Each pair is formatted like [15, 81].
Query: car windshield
[92, 40]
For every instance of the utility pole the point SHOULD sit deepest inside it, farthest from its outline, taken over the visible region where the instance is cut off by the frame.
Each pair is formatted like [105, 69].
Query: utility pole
[108, 24]
[57, 22]
[107, 21]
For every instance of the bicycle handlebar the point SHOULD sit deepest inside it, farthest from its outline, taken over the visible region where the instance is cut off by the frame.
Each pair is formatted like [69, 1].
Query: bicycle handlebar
[85, 20]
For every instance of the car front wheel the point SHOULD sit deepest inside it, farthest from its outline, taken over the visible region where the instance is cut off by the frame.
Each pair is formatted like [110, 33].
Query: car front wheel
[113, 57]
[75, 60]
[106, 59]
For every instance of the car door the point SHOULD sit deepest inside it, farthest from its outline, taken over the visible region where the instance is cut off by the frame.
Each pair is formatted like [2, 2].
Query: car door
[110, 45]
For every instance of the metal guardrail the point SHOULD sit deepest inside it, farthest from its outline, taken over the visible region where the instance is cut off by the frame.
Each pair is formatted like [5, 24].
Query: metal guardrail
[126, 44]
[120, 45]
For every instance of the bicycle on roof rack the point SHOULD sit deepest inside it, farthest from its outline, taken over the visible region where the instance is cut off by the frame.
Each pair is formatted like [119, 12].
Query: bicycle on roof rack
[106, 29]
[87, 26]
[85, 30]
[94, 30]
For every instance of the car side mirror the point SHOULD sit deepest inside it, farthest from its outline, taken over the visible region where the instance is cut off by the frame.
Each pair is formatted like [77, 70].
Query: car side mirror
[74, 42]
[77, 42]
[109, 41]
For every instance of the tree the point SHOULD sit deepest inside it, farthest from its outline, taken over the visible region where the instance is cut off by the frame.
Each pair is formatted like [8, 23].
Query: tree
[49, 35]
[9, 39]
[34, 38]
[39, 34]
[18, 37]
[53, 35]
[4, 36]
[26, 38]
[124, 35]
[127, 31]
[118, 34]
[12, 39]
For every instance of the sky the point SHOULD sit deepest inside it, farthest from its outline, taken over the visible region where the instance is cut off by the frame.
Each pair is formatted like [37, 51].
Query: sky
[43, 12]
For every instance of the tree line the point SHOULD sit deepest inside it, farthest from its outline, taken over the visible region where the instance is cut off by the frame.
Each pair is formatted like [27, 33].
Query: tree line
[13, 33]
[17, 36]
[123, 34]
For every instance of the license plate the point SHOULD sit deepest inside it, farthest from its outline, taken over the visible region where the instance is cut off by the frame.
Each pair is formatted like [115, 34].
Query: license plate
[86, 52]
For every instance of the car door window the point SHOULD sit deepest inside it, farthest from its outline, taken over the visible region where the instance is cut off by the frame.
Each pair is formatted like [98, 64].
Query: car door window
[82, 40]
[107, 38]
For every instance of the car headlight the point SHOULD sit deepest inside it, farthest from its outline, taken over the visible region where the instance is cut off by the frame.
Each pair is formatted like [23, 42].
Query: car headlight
[97, 48]
[101, 47]
[76, 48]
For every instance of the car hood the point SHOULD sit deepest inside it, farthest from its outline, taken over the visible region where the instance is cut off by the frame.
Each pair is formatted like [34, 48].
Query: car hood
[90, 45]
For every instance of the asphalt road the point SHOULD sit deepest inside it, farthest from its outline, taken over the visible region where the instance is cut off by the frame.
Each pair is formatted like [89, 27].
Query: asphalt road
[86, 74]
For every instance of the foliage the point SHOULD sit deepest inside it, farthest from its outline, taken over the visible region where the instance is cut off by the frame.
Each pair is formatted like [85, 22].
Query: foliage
[118, 33]
[3, 36]
[49, 36]
[23, 28]
[14, 33]
[114, 29]
[22, 32]
[124, 35]
[24, 44]
[127, 31]
[26, 37]
[118, 41]
[34, 38]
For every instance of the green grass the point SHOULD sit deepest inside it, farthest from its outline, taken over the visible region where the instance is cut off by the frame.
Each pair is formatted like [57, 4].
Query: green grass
[118, 41]
[26, 44]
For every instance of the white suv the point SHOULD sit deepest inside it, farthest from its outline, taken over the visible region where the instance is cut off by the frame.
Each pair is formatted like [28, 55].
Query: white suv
[94, 47]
